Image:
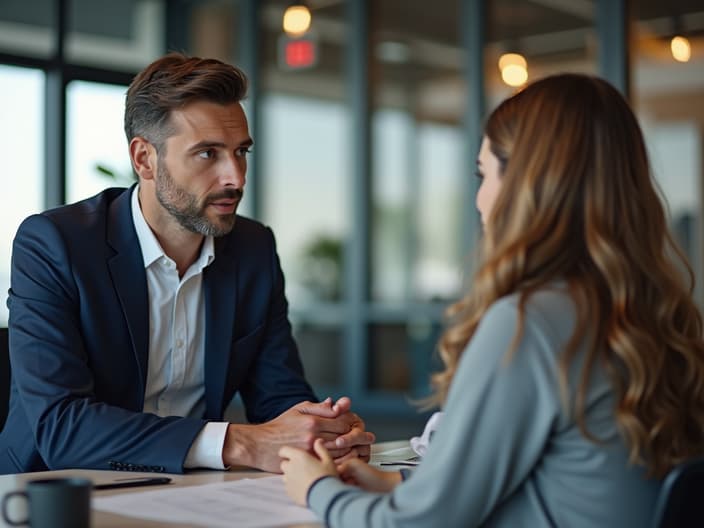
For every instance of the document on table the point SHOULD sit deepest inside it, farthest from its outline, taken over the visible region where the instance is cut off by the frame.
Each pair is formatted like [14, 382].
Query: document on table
[252, 503]
[398, 454]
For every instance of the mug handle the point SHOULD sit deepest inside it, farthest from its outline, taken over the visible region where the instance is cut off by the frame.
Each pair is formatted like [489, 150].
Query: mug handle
[5, 500]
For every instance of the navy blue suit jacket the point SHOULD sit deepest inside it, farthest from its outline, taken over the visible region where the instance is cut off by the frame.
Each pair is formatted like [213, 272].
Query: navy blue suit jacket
[79, 339]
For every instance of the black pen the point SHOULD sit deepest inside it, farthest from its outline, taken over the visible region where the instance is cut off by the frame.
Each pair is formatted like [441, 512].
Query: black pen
[133, 482]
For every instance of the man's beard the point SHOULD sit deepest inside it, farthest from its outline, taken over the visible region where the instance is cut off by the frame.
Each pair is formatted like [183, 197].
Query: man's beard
[184, 207]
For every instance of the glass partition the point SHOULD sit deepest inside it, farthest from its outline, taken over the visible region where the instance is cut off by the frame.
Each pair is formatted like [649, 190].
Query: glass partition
[304, 173]
[22, 152]
[418, 98]
[668, 95]
[97, 154]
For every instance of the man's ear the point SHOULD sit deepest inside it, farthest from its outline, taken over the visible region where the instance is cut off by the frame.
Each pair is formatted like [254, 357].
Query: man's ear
[144, 157]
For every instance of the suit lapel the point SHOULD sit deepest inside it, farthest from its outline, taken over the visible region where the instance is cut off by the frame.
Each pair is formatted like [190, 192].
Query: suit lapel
[220, 290]
[130, 279]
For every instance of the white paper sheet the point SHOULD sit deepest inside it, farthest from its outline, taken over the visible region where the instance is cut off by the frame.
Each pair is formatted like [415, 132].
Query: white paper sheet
[395, 457]
[251, 503]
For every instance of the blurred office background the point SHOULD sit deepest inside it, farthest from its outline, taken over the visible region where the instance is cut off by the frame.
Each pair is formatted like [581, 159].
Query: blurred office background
[366, 128]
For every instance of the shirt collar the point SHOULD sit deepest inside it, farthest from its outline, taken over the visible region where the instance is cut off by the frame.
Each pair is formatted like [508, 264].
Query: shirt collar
[207, 253]
[151, 249]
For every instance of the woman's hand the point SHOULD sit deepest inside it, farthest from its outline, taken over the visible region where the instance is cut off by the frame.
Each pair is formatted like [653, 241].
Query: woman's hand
[301, 469]
[368, 478]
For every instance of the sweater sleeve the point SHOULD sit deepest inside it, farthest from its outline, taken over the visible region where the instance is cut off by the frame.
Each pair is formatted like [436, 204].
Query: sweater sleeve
[498, 419]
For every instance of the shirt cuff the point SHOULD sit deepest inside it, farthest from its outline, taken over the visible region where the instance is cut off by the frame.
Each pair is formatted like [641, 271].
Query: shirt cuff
[324, 492]
[206, 449]
[312, 485]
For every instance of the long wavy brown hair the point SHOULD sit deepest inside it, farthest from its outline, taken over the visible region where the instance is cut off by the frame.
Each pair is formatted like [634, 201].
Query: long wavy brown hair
[578, 204]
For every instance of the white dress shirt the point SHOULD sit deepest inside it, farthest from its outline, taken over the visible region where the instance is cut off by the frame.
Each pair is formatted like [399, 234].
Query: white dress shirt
[175, 376]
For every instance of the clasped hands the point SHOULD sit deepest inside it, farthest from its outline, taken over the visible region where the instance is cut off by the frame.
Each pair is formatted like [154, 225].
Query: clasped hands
[341, 432]
[302, 469]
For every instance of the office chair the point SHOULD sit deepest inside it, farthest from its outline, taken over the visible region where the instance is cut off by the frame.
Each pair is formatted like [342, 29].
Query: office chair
[680, 503]
[4, 376]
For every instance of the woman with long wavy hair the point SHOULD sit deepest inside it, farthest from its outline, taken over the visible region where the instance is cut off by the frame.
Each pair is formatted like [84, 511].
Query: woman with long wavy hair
[574, 367]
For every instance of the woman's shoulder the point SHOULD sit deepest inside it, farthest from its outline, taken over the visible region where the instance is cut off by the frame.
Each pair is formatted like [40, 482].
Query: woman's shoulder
[549, 311]
[550, 301]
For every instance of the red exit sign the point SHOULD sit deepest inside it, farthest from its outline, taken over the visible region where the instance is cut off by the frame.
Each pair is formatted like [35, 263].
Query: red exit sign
[297, 53]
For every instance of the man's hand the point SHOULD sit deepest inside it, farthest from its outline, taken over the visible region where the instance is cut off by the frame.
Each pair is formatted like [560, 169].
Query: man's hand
[301, 469]
[258, 445]
[354, 444]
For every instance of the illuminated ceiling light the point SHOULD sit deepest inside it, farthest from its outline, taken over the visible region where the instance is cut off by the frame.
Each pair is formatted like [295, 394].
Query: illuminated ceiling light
[681, 50]
[514, 69]
[507, 59]
[296, 19]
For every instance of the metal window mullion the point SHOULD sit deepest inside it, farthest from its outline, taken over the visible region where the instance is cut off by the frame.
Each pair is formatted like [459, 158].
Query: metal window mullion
[55, 114]
[613, 34]
[250, 35]
[473, 23]
[357, 254]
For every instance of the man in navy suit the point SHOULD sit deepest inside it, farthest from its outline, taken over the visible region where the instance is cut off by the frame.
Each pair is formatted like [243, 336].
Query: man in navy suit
[136, 315]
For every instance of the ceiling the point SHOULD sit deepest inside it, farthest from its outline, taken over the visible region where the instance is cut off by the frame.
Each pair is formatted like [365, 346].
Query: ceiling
[507, 19]
[415, 41]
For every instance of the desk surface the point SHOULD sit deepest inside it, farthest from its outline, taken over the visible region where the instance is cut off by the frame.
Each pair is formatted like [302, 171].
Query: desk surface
[381, 451]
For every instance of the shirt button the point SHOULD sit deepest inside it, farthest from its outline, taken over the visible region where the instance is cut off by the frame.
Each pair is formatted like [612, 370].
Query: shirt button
[179, 343]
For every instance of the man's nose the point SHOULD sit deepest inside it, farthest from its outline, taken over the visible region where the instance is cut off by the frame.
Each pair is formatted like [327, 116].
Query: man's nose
[234, 172]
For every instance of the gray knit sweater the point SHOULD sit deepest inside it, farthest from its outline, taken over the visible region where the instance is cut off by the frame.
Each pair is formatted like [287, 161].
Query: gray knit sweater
[507, 453]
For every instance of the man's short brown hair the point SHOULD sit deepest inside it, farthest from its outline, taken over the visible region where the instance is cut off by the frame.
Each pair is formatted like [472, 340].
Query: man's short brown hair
[172, 82]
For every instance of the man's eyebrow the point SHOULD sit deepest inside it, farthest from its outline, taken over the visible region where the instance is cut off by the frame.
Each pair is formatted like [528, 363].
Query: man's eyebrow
[217, 144]
[206, 144]
[479, 162]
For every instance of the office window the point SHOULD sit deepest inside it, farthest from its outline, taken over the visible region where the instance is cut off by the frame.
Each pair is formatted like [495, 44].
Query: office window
[22, 152]
[26, 28]
[124, 35]
[668, 96]
[440, 260]
[418, 102]
[416, 249]
[393, 218]
[304, 173]
[303, 181]
[97, 155]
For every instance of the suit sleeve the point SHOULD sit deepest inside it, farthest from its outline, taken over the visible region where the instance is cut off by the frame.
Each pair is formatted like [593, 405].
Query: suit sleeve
[276, 381]
[53, 374]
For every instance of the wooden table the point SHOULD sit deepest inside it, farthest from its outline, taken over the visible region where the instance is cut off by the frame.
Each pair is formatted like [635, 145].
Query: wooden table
[381, 451]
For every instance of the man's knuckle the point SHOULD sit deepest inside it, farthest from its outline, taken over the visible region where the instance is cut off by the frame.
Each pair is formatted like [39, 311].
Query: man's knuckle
[308, 440]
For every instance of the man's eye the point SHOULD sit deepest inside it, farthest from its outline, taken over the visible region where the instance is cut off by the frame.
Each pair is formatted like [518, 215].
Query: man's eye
[479, 175]
[206, 154]
[243, 151]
